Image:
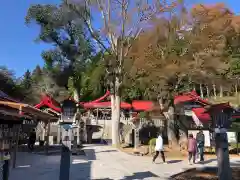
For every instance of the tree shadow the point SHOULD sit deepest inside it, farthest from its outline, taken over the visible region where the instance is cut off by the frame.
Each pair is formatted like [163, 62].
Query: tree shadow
[140, 175]
[90, 153]
[48, 167]
[207, 161]
[106, 151]
[200, 174]
[174, 161]
[137, 175]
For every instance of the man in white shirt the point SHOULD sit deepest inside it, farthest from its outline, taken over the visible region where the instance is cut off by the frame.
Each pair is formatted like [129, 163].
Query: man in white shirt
[159, 148]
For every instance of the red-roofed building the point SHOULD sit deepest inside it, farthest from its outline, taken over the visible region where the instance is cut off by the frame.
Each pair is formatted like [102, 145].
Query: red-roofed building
[142, 105]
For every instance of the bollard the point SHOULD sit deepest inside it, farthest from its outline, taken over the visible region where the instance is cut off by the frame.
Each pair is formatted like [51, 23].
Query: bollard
[64, 163]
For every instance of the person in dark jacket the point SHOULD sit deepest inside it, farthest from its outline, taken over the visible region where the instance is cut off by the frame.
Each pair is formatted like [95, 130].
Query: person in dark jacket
[200, 144]
[32, 140]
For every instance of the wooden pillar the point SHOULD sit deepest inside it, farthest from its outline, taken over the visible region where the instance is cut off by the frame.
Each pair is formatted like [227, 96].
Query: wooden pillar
[97, 117]
[136, 134]
[47, 137]
[16, 147]
[78, 134]
[43, 132]
[237, 142]
[59, 134]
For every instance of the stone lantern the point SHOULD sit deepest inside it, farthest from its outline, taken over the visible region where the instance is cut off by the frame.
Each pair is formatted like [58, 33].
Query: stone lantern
[221, 117]
[68, 120]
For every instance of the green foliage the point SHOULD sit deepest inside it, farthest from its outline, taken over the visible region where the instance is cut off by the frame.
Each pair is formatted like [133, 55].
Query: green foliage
[152, 142]
[177, 60]
[72, 47]
[9, 84]
[235, 66]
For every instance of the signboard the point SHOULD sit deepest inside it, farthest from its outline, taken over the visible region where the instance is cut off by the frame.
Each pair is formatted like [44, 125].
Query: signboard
[188, 112]
[232, 137]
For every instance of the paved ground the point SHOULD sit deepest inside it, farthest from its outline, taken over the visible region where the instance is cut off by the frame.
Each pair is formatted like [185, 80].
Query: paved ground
[101, 163]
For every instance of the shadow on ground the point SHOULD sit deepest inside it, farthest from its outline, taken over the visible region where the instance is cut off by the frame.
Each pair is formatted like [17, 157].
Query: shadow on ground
[106, 151]
[207, 173]
[38, 167]
[207, 161]
[137, 175]
[174, 161]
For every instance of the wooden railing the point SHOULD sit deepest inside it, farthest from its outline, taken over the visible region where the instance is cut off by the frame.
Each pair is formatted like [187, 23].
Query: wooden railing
[156, 121]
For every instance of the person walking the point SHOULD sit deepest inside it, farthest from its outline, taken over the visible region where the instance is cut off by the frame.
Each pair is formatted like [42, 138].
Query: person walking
[192, 148]
[32, 140]
[159, 149]
[200, 144]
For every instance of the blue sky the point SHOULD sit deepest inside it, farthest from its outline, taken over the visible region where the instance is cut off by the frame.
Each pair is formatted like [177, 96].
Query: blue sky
[18, 51]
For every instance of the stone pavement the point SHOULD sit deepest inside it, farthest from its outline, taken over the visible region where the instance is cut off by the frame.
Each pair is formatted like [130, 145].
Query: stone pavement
[100, 163]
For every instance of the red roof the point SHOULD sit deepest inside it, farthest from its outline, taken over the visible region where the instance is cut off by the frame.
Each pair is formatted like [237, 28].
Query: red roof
[101, 98]
[218, 107]
[106, 104]
[142, 105]
[49, 102]
[201, 114]
[190, 96]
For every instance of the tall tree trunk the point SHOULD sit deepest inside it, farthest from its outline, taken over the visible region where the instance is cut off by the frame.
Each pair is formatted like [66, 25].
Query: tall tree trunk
[201, 91]
[190, 83]
[115, 107]
[172, 139]
[207, 88]
[236, 93]
[236, 89]
[214, 91]
[80, 134]
[221, 91]
[183, 135]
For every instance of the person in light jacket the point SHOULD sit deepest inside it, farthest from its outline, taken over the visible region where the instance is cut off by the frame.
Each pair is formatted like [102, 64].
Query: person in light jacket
[159, 148]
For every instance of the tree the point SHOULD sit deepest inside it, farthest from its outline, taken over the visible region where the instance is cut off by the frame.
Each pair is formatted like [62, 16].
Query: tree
[37, 74]
[122, 21]
[93, 79]
[162, 63]
[26, 84]
[9, 84]
[182, 51]
[61, 28]
[27, 80]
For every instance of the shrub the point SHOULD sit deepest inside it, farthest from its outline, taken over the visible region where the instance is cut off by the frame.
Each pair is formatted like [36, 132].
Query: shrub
[152, 142]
